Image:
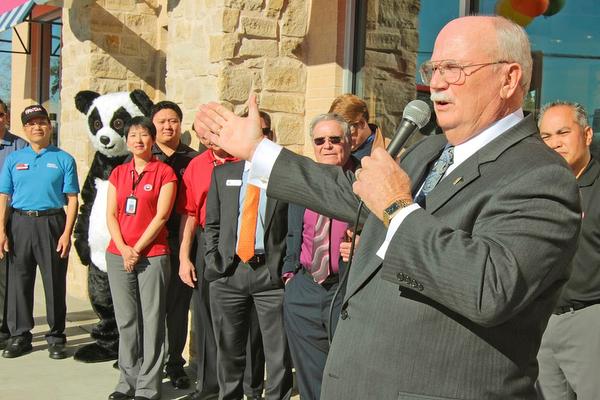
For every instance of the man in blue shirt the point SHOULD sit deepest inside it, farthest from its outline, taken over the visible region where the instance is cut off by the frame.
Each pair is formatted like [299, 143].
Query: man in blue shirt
[8, 144]
[39, 180]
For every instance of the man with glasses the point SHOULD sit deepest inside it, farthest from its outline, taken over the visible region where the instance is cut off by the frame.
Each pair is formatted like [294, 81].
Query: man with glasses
[466, 243]
[35, 230]
[365, 136]
[8, 144]
[313, 264]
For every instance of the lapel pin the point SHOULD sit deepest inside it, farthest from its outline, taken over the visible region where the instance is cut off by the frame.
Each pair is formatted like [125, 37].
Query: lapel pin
[457, 180]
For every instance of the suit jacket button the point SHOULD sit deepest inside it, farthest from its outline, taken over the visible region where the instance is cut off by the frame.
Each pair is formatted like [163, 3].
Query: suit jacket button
[420, 287]
[400, 277]
[344, 314]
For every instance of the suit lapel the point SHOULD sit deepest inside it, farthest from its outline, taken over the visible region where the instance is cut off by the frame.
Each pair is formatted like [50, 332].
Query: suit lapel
[468, 171]
[269, 212]
[232, 205]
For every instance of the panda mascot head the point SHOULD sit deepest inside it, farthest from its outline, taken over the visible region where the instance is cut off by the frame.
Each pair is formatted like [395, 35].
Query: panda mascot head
[106, 117]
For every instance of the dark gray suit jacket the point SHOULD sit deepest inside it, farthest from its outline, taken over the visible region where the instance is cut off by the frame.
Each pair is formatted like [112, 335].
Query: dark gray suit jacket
[458, 307]
[220, 231]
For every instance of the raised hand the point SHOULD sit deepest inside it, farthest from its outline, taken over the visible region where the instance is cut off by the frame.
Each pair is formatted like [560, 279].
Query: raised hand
[236, 135]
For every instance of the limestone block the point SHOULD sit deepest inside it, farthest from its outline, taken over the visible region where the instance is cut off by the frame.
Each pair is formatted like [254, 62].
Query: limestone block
[234, 84]
[377, 40]
[140, 22]
[103, 66]
[120, 5]
[110, 43]
[108, 85]
[130, 45]
[222, 46]
[289, 103]
[230, 19]
[381, 60]
[252, 5]
[257, 26]
[274, 7]
[284, 75]
[105, 23]
[289, 129]
[291, 47]
[258, 48]
[294, 19]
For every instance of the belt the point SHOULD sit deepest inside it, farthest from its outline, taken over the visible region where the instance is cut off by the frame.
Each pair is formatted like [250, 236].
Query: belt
[40, 213]
[256, 261]
[574, 306]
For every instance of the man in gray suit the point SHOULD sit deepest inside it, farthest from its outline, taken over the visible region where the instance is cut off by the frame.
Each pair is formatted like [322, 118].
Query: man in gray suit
[461, 259]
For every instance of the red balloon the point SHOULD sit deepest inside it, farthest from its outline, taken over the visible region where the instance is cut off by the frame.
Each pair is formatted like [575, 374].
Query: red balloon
[531, 8]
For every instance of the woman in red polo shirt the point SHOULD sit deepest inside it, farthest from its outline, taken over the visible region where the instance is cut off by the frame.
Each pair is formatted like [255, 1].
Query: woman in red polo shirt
[141, 194]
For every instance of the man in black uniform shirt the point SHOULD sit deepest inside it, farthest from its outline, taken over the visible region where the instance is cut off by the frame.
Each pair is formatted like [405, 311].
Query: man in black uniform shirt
[569, 356]
[168, 148]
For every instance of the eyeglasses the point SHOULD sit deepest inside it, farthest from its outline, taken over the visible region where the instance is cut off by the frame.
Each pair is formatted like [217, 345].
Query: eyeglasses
[450, 70]
[320, 141]
[38, 123]
[266, 131]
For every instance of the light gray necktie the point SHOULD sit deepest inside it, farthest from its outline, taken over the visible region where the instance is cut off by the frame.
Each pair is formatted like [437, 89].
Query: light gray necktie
[435, 175]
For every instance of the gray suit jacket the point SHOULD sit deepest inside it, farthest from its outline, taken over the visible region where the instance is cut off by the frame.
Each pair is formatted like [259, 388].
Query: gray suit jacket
[458, 307]
[220, 232]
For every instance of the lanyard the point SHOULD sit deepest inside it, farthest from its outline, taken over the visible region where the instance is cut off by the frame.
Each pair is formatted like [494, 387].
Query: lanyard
[135, 182]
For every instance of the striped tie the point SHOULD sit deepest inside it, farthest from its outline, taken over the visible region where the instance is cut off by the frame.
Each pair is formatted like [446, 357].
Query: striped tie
[436, 174]
[320, 261]
[245, 246]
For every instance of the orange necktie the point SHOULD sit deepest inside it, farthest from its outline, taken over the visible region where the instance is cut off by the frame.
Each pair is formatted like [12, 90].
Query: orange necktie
[245, 246]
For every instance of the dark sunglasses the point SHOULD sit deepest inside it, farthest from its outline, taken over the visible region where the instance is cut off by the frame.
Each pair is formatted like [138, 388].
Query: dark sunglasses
[331, 139]
[266, 131]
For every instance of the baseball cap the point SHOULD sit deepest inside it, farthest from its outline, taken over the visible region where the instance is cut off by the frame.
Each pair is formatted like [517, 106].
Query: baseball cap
[33, 111]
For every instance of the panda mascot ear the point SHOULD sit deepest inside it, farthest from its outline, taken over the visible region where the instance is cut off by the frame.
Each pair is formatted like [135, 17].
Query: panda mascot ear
[84, 99]
[141, 99]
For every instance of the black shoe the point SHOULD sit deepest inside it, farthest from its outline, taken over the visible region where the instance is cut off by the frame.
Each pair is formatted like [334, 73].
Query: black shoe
[56, 351]
[119, 396]
[196, 395]
[4, 337]
[178, 378]
[17, 346]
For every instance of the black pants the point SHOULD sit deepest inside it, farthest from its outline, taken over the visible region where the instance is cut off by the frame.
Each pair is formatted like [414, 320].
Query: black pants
[206, 345]
[33, 242]
[178, 305]
[306, 318]
[231, 300]
[4, 333]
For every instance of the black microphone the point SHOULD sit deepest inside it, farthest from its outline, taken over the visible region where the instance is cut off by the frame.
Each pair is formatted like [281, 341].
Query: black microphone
[415, 116]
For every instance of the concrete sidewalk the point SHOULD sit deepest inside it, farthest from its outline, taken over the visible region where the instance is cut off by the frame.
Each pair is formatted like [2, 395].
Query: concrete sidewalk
[36, 376]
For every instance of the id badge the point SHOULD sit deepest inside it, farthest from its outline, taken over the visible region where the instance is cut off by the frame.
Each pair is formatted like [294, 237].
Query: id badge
[131, 205]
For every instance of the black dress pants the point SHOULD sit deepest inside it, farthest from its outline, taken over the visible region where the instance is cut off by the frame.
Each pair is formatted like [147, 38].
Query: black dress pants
[206, 345]
[33, 242]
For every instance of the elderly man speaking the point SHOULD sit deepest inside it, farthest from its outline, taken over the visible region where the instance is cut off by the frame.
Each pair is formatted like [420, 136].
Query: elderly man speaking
[461, 259]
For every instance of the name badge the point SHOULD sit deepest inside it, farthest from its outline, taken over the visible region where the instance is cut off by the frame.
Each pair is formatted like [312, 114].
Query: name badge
[52, 165]
[22, 166]
[233, 182]
[131, 205]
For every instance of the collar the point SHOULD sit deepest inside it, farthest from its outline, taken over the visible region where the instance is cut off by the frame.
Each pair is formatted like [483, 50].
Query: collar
[46, 149]
[590, 174]
[150, 167]
[470, 147]
[247, 166]
[214, 160]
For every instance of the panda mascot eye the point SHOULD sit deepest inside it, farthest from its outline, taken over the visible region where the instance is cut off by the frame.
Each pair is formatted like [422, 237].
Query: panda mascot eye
[97, 125]
[118, 124]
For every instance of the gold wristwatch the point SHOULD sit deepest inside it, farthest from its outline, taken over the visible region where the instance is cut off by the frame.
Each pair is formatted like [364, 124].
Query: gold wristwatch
[393, 209]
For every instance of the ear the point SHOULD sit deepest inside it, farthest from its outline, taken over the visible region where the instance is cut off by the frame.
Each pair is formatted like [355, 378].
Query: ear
[141, 99]
[511, 77]
[589, 135]
[84, 99]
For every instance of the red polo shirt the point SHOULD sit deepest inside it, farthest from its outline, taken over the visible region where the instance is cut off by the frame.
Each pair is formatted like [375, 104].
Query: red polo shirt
[195, 185]
[155, 175]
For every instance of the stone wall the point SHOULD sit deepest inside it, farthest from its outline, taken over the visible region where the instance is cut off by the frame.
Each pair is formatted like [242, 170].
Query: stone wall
[108, 46]
[390, 60]
[220, 50]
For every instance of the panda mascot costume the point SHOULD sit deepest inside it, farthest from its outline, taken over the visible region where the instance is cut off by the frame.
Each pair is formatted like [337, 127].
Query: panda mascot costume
[106, 118]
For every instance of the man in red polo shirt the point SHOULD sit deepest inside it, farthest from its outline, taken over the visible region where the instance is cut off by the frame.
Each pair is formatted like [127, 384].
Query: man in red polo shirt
[191, 205]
